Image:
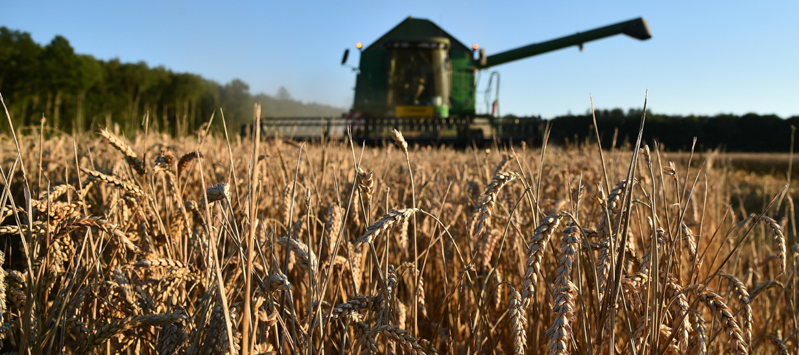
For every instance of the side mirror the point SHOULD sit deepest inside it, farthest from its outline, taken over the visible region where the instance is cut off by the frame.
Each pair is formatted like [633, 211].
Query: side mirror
[482, 58]
[346, 55]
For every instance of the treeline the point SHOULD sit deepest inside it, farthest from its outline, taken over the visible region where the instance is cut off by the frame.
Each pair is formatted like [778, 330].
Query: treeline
[77, 92]
[747, 133]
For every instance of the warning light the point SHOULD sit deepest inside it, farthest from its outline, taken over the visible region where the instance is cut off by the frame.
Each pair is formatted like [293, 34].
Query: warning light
[475, 46]
[359, 45]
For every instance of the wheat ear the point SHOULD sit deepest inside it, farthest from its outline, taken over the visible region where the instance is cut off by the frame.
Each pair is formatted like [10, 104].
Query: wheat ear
[485, 208]
[279, 282]
[285, 206]
[356, 256]
[561, 333]
[114, 181]
[699, 342]
[353, 304]
[366, 183]
[332, 227]
[611, 207]
[779, 241]
[55, 192]
[172, 338]
[518, 321]
[3, 286]
[740, 291]
[535, 253]
[778, 343]
[400, 140]
[130, 156]
[163, 161]
[388, 221]
[682, 306]
[716, 304]
[161, 262]
[497, 279]
[401, 336]
[306, 258]
[121, 325]
[420, 290]
[506, 158]
[184, 161]
[218, 192]
[491, 240]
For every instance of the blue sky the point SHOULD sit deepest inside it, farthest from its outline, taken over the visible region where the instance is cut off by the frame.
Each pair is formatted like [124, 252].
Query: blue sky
[705, 57]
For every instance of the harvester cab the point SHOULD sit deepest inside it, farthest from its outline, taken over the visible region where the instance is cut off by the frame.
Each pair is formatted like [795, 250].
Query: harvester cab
[420, 79]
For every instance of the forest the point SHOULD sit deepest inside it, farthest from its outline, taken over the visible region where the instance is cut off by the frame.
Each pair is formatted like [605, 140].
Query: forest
[77, 92]
[728, 132]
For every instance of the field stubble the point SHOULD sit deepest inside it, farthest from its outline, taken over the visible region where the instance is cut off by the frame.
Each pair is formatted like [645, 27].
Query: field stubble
[143, 246]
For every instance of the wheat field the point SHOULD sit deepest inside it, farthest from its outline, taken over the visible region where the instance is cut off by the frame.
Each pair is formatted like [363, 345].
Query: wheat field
[215, 245]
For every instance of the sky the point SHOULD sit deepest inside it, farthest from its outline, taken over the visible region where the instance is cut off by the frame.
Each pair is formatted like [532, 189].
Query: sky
[704, 57]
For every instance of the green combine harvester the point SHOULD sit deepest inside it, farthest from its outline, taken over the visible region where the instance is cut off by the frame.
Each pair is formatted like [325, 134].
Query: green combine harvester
[423, 81]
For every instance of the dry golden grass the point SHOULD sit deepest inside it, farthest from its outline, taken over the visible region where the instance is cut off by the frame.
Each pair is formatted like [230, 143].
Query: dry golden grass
[402, 249]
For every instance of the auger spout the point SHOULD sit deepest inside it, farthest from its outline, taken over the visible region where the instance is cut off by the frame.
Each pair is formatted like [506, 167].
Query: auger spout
[637, 28]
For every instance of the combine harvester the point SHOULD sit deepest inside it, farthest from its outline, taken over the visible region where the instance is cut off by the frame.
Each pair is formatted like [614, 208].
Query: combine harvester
[421, 80]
